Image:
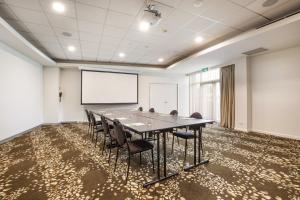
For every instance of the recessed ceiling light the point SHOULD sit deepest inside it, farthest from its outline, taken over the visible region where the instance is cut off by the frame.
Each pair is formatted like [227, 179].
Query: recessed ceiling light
[144, 26]
[121, 55]
[198, 39]
[160, 60]
[71, 48]
[58, 6]
[198, 3]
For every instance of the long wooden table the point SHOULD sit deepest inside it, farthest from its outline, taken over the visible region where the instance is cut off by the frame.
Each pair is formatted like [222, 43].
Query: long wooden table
[157, 123]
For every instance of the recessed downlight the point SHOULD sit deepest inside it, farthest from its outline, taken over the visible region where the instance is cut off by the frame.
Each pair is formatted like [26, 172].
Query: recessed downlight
[71, 48]
[122, 55]
[160, 60]
[198, 3]
[58, 7]
[198, 39]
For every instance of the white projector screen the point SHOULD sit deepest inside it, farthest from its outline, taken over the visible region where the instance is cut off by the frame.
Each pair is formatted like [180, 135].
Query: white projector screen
[99, 87]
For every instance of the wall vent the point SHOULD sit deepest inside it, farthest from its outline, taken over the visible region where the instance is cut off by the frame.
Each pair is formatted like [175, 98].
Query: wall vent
[254, 51]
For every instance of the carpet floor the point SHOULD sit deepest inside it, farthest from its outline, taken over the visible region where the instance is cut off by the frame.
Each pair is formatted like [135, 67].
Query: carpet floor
[61, 162]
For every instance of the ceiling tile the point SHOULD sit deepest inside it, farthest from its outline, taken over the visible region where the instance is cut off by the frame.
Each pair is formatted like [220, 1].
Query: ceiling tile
[44, 38]
[60, 21]
[130, 7]
[97, 3]
[113, 41]
[257, 6]
[105, 55]
[119, 20]
[29, 4]
[199, 24]
[218, 29]
[188, 6]
[90, 13]
[279, 11]
[30, 15]
[228, 13]
[55, 50]
[39, 29]
[114, 31]
[69, 7]
[89, 27]
[90, 37]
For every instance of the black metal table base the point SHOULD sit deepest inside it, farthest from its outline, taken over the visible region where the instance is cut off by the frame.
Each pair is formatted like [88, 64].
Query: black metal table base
[196, 165]
[160, 179]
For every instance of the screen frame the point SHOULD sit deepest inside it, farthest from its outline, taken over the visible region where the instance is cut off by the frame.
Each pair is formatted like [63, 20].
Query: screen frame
[119, 103]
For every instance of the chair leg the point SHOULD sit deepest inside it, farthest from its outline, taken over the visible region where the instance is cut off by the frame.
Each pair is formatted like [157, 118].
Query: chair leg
[128, 166]
[140, 158]
[116, 158]
[178, 140]
[109, 154]
[172, 144]
[104, 143]
[152, 159]
[185, 149]
[97, 134]
[93, 134]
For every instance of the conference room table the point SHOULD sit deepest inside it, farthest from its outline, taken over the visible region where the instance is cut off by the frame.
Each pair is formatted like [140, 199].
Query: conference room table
[157, 123]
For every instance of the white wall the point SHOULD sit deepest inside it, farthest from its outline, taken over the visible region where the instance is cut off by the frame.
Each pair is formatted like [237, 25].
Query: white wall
[21, 89]
[72, 110]
[51, 99]
[275, 83]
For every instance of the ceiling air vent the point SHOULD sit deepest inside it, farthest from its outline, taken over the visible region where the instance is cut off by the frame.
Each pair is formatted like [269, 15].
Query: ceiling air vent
[254, 51]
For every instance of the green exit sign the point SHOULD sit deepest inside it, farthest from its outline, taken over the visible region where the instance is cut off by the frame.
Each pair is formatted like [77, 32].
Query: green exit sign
[204, 69]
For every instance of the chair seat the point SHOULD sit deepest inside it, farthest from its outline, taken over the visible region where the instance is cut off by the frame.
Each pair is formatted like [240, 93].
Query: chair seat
[138, 146]
[184, 135]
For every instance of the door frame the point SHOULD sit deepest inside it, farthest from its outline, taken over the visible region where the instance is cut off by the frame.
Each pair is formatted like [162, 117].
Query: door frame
[165, 83]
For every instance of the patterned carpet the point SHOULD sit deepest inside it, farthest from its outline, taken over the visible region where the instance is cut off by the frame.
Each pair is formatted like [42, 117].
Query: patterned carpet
[60, 162]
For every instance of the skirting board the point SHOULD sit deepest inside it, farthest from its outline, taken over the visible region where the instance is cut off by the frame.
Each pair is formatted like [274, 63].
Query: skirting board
[277, 134]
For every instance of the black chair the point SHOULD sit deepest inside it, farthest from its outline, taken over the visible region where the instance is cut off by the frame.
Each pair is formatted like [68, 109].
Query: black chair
[151, 110]
[108, 128]
[89, 120]
[96, 127]
[140, 109]
[133, 147]
[174, 112]
[187, 134]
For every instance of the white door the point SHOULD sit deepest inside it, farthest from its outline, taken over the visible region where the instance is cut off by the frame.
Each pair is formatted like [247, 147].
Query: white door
[163, 97]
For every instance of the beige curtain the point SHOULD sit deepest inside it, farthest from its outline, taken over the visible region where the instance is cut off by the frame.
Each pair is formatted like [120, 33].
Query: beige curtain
[227, 97]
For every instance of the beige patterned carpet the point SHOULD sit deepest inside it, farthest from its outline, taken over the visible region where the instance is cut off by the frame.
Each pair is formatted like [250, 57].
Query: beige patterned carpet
[60, 162]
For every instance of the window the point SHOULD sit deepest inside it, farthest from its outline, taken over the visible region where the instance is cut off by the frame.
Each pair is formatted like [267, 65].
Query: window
[205, 94]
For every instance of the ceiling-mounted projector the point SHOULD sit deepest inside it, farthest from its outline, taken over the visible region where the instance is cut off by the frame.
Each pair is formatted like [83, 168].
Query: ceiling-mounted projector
[150, 17]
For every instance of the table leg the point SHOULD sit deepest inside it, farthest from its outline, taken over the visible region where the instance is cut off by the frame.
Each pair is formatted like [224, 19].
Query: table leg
[195, 152]
[165, 176]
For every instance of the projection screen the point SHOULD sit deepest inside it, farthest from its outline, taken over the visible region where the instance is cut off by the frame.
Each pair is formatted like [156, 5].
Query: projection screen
[101, 87]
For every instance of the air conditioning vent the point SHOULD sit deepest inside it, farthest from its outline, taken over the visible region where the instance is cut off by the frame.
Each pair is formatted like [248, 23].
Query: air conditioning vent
[255, 51]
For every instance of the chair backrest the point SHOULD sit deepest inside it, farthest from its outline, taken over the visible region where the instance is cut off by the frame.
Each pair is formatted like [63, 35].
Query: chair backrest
[151, 110]
[119, 133]
[93, 119]
[174, 112]
[196, 115]
[87, 115]
[105, 125]
[140, 108]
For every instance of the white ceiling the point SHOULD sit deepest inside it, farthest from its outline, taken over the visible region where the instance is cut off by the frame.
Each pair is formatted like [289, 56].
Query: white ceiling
[280, 35]
[102, 28]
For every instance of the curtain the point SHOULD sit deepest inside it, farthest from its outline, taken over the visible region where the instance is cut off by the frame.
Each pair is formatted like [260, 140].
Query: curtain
[227, 97]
